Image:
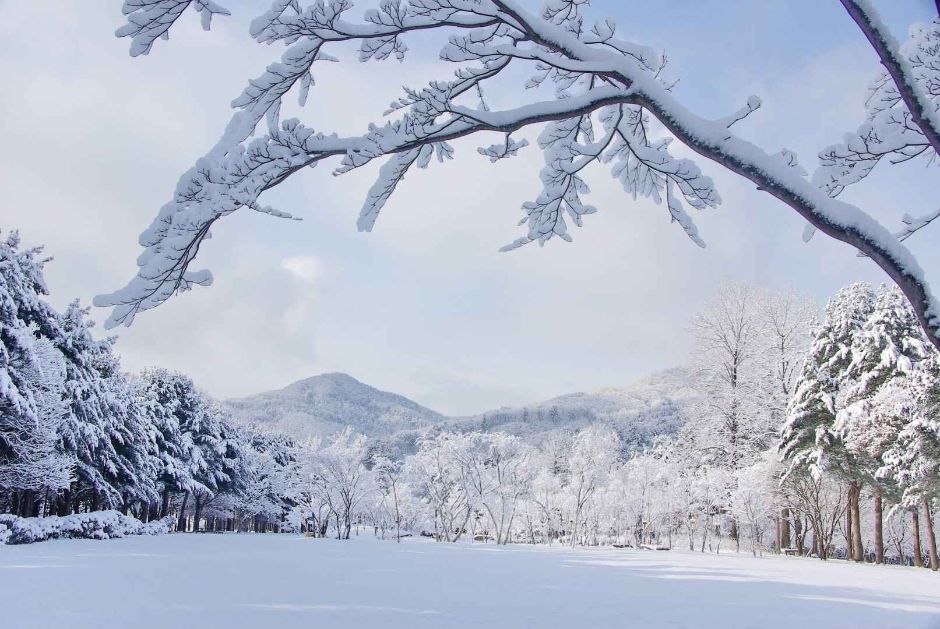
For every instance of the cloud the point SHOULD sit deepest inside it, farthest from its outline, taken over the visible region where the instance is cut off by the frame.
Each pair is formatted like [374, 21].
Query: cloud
[304, 268]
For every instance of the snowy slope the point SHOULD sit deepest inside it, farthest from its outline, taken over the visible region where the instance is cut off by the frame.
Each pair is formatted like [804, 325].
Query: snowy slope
[325, 404]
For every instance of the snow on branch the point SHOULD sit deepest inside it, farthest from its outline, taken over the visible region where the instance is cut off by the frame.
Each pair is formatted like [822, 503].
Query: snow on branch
[913, 224]
[752, 105]
[148, 20]
[891, 133]
[918, 83]
[610, 106]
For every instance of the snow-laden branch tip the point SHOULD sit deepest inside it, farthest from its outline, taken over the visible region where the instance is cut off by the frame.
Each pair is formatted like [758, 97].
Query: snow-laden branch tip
[912, 225]
[752, 105]
[149, 20]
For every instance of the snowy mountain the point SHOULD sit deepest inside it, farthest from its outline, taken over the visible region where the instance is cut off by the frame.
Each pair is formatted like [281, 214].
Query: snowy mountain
[325, 404]
[656, 405]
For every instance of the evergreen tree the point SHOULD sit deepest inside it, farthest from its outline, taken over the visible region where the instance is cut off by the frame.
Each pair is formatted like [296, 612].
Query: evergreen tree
[808, 437]
[888, 355]
[913, 459]
[30, 375]
[169, 402]
[99, 427]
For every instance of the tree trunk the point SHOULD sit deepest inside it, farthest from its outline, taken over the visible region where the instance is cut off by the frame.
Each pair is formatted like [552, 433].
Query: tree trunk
[931, 540]
[918, 556]
[64, 505]
[26, 504]
[181, 522]
[785, 529]
[858, 548]
[197, 512]
[879, 528]
[165, 507]
[800, 534]
[849, 537]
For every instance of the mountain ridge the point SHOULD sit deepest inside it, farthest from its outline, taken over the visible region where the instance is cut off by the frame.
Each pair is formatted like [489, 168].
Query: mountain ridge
[324, 404]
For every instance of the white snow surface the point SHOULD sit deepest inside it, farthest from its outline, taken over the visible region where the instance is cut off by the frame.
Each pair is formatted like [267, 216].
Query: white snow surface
[231, 581]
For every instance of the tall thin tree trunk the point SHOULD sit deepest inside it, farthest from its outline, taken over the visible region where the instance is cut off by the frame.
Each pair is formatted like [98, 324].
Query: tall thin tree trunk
[181, 522]
[858, 548]
[931, 540]
[849, 537]
[800, 534]
[26, 504]
[65, 503]
[785, 529]
[918, 554]
[879, 528]
[197, 512]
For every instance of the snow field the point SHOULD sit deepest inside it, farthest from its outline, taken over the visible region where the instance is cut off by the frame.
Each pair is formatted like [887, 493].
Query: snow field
[187, 580]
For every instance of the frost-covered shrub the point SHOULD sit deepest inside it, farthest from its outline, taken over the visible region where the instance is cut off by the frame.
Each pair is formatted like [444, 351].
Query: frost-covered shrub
[94, 525]
[6, 524]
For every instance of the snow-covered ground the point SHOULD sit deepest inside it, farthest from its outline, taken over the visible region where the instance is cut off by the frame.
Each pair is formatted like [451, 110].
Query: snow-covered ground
[288, 581]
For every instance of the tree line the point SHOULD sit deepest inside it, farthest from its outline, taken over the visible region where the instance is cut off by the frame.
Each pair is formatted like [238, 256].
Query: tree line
[79, 434]
[813, 436]
[810, 436]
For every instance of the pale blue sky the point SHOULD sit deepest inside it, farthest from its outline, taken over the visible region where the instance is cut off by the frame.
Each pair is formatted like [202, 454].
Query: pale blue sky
[425, 306]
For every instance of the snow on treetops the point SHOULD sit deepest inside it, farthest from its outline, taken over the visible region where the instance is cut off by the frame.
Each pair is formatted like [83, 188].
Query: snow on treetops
[608, 95]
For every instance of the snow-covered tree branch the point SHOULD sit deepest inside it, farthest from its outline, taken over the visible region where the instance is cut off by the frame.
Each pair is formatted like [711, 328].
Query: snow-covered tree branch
[607, 94]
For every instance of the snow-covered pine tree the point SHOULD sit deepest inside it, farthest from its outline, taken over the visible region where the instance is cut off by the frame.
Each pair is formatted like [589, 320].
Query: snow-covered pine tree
[270, 477]
[99, 428]
[36, 464]
[913, 460]
[171, 405]
[26, 320]
[807, 436]
[886, 355]
[221, 452]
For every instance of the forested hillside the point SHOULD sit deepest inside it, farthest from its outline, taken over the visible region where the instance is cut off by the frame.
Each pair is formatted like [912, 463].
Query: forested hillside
[326, 404]
[653, 406]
